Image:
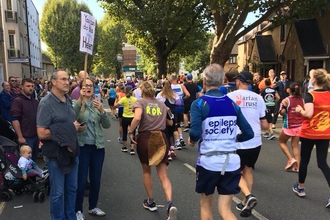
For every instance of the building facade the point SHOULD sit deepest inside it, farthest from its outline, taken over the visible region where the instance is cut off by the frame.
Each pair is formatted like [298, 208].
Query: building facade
[295, 47]
[21, 34]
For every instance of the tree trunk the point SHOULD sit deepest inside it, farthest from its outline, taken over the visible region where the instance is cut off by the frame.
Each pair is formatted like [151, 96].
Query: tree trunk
[221, 51]
[161, 57]
[162, 66]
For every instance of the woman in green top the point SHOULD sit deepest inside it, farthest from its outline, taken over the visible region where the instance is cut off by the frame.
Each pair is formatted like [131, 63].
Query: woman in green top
[92, 118]
[127, 102]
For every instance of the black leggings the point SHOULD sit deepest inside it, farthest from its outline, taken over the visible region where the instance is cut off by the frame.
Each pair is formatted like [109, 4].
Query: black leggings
[125, 123]
[321, 157]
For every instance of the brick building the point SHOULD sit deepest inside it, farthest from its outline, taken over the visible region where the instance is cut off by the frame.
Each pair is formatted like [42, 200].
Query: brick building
[294, 47]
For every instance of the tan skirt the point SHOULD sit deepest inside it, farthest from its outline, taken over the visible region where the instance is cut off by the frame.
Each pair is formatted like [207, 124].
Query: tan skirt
[152, 147]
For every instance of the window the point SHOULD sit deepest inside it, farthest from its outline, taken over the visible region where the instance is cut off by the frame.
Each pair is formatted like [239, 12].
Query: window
[21, 42]
[12, 52]
[282, 33]
[232, 59]
[9, 5]
[19, 8]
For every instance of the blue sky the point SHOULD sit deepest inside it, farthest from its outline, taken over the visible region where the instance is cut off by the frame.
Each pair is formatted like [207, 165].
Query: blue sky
[93, 5]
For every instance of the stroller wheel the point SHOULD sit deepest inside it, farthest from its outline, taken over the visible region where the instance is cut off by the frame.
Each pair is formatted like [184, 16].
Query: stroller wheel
[41, 197]
[5, 196]
[35, 196]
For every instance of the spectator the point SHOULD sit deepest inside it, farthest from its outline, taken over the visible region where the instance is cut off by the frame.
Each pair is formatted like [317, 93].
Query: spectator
[281, 87]
[23, 111]
[13, 85]
[256, 80]
[315, 129]
[217, 163]
[152, 116]
[92, 152]
[57, 129]
[6, 98]
[76, 91]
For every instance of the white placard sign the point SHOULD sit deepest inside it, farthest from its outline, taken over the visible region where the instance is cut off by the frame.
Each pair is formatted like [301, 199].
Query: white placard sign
[87, 32]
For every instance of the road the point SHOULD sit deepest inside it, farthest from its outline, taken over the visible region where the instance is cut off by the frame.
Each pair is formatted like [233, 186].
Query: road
[122, 191]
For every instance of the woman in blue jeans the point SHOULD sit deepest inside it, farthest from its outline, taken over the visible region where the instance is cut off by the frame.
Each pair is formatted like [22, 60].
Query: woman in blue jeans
[90, 113]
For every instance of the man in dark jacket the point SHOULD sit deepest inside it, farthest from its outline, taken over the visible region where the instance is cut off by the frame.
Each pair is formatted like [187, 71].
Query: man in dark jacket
[23, 112]
[281, 88]
[6, 98]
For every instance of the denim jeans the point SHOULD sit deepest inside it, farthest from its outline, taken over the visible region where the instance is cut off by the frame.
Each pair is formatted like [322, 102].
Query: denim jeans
[91, 161]
[62, 191]
[33, 142]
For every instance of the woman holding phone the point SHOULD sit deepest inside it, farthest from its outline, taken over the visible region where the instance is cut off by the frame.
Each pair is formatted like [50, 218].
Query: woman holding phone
[91, 141]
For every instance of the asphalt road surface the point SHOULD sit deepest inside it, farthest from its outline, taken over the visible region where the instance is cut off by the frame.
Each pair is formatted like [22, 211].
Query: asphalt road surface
[122, 191]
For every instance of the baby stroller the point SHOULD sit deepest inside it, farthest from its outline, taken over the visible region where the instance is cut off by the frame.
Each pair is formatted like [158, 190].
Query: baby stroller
[11, 175]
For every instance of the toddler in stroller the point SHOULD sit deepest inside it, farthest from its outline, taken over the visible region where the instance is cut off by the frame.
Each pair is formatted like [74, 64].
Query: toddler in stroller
[27, 165]
[12, 178]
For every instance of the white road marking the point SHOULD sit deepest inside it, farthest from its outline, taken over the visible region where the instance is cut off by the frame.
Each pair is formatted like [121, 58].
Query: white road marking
[256, 214]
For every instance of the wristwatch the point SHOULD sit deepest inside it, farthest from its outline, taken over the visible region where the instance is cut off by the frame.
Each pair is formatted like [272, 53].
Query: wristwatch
[129, 132]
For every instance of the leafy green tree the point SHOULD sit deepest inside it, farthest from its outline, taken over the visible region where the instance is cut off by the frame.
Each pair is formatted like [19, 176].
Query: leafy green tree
[60, 30]
[201, 57]
[160, 27]
[229, 18]
[111, 35]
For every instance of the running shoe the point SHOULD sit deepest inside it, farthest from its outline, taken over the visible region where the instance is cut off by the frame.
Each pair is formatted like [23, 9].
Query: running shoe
[80, 216]
[265, 135]
[271, 136]
[124, 149]
[182, 142]
[96, 212]
[173, 154]
[169, 158]
[328, 204]
[298, 191]
[239, 206]
[172, 211]
[132, 152]
[250, 202]
[152, 207]
[178, 146]
[291, 163]
[186, 129]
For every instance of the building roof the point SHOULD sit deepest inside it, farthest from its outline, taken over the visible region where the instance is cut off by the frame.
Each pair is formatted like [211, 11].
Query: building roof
[266, 48]
[310, 37]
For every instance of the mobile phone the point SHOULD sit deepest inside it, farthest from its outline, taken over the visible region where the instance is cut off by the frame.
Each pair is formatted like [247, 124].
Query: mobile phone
[82, 123]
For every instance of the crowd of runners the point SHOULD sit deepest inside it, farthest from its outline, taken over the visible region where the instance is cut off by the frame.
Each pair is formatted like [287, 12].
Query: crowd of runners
[256, 100]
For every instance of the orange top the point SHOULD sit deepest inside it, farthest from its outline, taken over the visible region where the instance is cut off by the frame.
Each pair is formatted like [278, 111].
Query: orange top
[262, 84]
[318, 126]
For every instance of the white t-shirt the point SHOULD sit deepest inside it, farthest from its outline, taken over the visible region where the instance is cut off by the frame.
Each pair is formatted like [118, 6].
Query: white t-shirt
[253, 108]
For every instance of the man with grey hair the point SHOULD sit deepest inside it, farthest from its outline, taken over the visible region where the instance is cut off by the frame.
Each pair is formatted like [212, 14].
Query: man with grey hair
[215, 130]
[57, 129]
